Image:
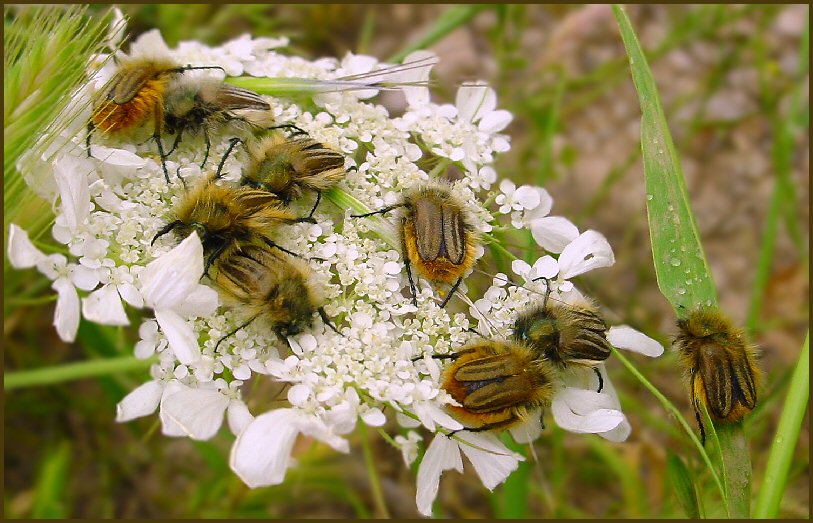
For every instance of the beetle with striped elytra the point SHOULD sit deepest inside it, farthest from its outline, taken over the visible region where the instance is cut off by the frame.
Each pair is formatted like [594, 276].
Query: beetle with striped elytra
[438, 236]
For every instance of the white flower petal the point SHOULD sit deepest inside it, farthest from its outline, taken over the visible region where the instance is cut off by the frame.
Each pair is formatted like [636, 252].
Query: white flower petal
[442, 454]
[169, 279]
[416, 95]
[490, 458]
[406, 421]
[198, 412]
[529, 430]
[71, 175]
[527, 197]
[66, 315]
[618, 434]
[149, 44]
[553, 233]
[585, 411]
[374, 417]
[298, 394]
[179, 334]
[84, 278]
[117, 157]
[520, 267]
[474, 101]
[262, 452]
[130, 294]
[104, 306]
[21, 252]
[587, 252]
[545, 267]
[495, 121]
[238, 417]
[625, 337]
[140, 402]
[168, 425]
[200, 303]
[623, 430]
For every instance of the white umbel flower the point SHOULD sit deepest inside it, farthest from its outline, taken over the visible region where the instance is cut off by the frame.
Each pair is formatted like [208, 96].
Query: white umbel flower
[111, 204]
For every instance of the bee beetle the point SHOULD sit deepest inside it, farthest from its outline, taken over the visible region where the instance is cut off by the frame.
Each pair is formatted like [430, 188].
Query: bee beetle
[437, 236]
[271, 287]
[720, 365]
[498, 384]
[134, 96]
[565, 334]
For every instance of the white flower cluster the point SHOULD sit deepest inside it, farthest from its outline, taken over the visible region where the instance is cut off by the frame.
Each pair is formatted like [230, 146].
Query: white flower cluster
[110, 204]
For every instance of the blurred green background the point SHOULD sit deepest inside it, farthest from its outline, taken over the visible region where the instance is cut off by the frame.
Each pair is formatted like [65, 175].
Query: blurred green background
[726, 75]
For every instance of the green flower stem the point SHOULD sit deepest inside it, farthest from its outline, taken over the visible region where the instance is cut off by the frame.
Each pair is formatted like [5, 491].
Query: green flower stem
[375, 484]
[346, 201]
[674, 412]
[787, 434]
[737, 472]
[39, 300]
[450, 20]
[73, 371]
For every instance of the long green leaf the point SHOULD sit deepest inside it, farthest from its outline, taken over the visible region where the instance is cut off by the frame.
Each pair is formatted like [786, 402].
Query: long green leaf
[787, 434]
[680, 264]
[679, 478]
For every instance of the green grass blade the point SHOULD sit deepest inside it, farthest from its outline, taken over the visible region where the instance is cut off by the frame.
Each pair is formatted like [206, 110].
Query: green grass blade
[73, 371]
[678, 476]
[46, 55]
[787, 434]
[450, 20]
[510, 501]
[50, 490]
[680, 264]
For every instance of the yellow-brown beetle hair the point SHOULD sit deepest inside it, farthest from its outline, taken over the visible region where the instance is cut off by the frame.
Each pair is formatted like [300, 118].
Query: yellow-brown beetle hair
[226, 217]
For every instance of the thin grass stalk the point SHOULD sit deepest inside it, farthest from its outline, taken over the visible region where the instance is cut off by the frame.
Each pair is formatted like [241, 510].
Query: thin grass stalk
[787, 434]
[375, 484]
[73, 371]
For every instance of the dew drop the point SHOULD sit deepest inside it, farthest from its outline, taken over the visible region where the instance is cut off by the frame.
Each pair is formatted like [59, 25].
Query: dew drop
[649, 197]
[675, 262]
[671, 208]
[660, 151]
[681, 290]
[689, 281]
[655, 141]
